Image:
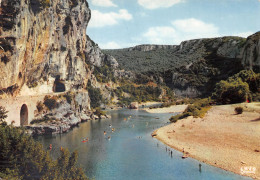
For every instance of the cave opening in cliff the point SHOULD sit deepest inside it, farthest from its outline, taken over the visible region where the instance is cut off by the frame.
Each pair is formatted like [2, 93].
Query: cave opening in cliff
[59, 86]
[24, 115]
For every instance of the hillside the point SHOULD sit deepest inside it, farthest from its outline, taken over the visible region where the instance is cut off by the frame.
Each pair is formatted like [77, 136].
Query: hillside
[193, 67]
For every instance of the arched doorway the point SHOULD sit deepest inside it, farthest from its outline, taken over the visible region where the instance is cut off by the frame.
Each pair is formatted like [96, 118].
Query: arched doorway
[24, 115]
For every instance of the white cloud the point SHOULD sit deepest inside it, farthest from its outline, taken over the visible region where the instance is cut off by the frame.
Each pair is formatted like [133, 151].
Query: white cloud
[110, 45]
[195, 27]
[99, 19]
[154, 4]
[159, 35]
[103, 3]
[244, 34]
[181, 30]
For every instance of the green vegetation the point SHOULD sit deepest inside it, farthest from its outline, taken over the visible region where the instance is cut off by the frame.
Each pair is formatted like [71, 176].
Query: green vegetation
[32, 84]
[139, 93]
[23, 158]
[239, 110]
[39, 106]
[198, 109]
[69, 97]
[181, 67]
[95, 96]
[3, 114]
[44, 119]
[104, 74]
[238, 88]
[45, 3]
[50, 102]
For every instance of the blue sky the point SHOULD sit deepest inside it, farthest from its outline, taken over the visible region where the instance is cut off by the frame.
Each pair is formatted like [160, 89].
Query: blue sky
[125, 23]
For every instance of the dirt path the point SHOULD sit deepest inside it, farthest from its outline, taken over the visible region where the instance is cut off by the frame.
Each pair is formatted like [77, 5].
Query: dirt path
[221, 138]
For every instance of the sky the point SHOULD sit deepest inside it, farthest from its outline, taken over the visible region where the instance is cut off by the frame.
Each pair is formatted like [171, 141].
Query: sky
[118, 24]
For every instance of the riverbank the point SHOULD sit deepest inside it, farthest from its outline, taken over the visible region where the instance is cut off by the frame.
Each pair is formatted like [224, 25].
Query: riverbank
[171, 109]
[222, 138]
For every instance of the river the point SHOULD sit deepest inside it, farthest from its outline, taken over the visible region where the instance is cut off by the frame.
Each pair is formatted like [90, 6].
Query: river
[130, 152]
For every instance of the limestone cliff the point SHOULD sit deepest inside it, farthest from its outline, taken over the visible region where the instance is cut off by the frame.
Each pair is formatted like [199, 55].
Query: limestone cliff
[43, 42]
[193, 67]
[251, 54]
[44, 51]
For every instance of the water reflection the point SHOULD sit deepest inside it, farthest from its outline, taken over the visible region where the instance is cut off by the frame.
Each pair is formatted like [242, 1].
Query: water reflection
[131, 152]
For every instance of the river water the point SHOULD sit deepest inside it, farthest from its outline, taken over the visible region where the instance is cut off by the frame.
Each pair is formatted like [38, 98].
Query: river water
[130, 152]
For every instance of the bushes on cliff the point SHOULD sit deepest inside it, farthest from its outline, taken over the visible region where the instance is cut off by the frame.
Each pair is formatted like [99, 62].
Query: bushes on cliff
[238, 88]
[50, 102]
[95, 96]
[23, 158]
[137, 93]
[104, 74]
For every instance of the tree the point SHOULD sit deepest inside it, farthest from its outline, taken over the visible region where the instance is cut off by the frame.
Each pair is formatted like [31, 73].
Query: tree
[3, 114]
[237, 88]
[23, 158]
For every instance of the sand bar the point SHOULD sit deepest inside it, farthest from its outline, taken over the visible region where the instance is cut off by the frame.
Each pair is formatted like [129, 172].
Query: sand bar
[222, 138]
[171, 109]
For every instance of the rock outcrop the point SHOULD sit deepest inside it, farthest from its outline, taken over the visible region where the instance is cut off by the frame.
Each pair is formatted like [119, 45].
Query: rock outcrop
[44, 51]
[45, 41]
[193, 67]
[251, 53]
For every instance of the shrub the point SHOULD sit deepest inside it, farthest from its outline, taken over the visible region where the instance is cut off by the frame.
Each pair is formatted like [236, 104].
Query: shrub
[239, 110]
[175, 118]
[238, 88]
[44, 119]
[32, 84]
[40, 106]
[231, 91]
[23, 158]
[3, 114]
[68, 96]
[198, 109]
[50, 102]
[139, 93]
[95, 96]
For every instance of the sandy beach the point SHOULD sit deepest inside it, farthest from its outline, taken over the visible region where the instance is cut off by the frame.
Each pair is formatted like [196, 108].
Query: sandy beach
[171, 109]
[222, 138]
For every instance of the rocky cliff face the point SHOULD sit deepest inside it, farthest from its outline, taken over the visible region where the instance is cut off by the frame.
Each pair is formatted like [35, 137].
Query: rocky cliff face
[251, 54]
[191, 68]
[42, 41]
[44, 51]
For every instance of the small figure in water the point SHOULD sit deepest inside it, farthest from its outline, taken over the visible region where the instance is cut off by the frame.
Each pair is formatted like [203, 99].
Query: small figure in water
[110, 125]
[105, 133]
[171, 153]
[113, 129]
[200, 167]
[108, 137]
[50, 147]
